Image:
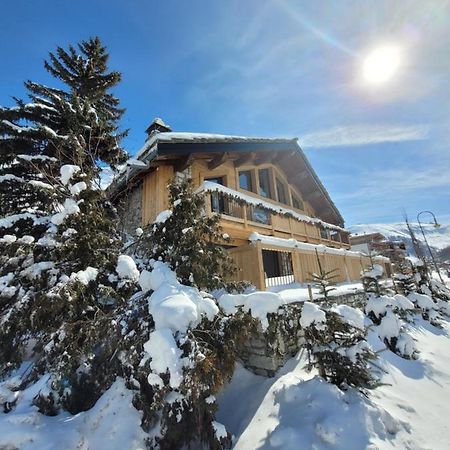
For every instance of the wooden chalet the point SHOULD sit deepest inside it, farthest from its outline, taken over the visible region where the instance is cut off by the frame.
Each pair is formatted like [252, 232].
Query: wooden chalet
[273, 206]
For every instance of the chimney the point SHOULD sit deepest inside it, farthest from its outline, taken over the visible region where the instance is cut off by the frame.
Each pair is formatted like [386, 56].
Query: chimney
[157, 126]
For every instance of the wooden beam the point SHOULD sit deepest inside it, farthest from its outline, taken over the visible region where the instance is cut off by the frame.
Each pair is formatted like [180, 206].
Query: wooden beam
[184, 163]
[217, 161]
[245, 159]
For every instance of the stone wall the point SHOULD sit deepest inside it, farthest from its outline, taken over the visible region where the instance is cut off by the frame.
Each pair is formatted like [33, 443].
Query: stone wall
[130, 210]
[266, 351]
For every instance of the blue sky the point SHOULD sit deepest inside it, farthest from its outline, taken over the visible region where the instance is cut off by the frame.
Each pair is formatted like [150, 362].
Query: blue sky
[272, 68]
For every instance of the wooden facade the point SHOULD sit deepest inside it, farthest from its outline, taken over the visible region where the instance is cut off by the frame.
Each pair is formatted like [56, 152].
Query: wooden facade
[271, 193]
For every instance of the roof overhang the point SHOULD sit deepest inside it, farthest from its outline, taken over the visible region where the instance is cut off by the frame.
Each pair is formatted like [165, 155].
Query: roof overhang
[287, 154]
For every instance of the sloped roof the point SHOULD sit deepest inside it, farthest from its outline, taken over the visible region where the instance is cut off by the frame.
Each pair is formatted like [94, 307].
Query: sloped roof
[163, 144]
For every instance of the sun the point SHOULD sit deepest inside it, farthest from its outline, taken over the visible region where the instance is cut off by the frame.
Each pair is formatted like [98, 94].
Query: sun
[381, 64]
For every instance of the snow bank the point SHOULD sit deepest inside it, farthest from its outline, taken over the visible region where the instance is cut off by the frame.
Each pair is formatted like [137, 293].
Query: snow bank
[112, 423]
[259, 304]
[289, 413]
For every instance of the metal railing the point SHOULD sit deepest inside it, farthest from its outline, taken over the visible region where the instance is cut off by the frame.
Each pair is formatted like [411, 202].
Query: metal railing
[278, 268]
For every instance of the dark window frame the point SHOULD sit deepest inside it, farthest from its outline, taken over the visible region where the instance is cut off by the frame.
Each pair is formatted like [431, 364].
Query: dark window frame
[269, 184]
[296, 199]
[284, 197]
[250, 179]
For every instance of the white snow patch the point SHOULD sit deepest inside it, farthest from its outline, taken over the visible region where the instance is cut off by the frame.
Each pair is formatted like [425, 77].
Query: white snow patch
[219, 430]
[172, 304]
[8, 239]
[389, 327]
[165, 355]
[67, 172]
[352, 316]
[27, 240]
[258, 303]
[163, 216]
[76, 188]
[70, 207]
[312, 315]
[112, 423]
[422, 301]
[126, 268]
[85, 276]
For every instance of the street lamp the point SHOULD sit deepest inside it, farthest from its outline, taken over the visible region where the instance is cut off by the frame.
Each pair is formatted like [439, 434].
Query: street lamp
[436, 225]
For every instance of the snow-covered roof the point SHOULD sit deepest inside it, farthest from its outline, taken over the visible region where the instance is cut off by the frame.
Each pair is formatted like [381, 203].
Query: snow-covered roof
[211, 137]
[168, 143]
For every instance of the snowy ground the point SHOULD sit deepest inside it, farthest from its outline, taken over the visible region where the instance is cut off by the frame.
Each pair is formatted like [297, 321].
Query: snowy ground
[296, 410]
[113, 424]
[299, 292]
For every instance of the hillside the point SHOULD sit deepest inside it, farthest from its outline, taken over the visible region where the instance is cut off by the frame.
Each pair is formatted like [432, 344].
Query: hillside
[438, 238]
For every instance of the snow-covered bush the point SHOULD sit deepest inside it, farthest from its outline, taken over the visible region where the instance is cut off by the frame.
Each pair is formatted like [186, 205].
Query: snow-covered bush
[335, 339]
[391, 332]
[370, 279]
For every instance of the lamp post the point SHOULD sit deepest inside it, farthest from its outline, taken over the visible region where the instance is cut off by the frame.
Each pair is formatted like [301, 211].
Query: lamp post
[436, 225]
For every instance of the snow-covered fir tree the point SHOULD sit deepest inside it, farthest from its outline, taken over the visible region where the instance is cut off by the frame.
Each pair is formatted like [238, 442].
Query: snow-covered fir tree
[59, 243]
[190, 241]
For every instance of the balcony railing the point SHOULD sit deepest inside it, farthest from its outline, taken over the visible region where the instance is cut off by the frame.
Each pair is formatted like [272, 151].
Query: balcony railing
[224, 204]
[227, 205]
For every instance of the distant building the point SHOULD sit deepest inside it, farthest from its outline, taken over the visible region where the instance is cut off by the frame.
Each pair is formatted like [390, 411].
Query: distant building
[377, 244]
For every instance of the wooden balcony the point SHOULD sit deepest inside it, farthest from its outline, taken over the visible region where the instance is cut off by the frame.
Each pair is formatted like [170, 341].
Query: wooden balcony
[239, 219]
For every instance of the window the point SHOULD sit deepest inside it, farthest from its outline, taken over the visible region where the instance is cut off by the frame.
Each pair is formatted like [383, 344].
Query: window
[245, 180]
[281, 192]
[217, 180]
[297, 203]
[259, 215]
[334, 235]
[264, 183]
[323, 233]
[217, 199]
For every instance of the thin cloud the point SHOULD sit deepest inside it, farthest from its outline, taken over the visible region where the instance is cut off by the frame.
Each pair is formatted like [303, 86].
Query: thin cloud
[357, 135]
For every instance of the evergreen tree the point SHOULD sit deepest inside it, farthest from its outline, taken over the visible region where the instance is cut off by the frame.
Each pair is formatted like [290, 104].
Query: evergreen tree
[59, 233]
[190, 241]
[405, 279]
[323, 280]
